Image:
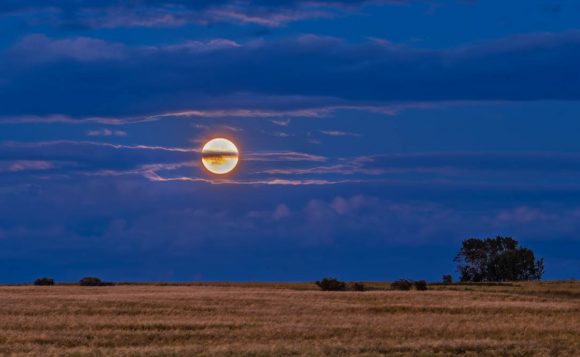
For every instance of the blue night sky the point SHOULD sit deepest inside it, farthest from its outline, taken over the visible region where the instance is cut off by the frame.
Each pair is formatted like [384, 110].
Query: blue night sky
[374, 137]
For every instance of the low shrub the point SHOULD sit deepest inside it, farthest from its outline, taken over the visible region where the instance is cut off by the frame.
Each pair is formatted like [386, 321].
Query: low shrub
[420, 285]
[44, 281]
[92, 281]
[447, 279]
[331, 284]
[401, 284]
[357, 286]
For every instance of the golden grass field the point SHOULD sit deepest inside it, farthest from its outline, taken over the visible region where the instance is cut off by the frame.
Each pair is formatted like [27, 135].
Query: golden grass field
[520, 319]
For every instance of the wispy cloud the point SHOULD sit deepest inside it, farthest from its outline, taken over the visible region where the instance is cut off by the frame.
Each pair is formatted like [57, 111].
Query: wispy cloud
[25, 165]
[164, 163]
[93, 143]
[312, 112]
[153, 176]
[339, 133]
[281, 122]
[283, 156]
[65, 119]
[341, 169]
[39, 48]
[106, 132]
[112, 14]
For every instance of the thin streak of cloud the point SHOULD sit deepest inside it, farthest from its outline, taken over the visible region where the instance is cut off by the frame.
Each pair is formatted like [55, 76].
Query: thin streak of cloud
[271, 20]
[112, 14]
[283, 156]
[281, 122]
[106, 132]
[63, 119]
[333, 169]
[94, 143]
[244, 113]
[260, 156]
[249, 113]
[339, 133]
[153, 176]
[25, 165]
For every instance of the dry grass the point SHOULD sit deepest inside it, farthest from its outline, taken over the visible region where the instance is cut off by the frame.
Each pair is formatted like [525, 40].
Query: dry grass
[290, 320]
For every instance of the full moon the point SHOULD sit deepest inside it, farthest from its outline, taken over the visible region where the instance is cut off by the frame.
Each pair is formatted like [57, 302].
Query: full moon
[219, 156]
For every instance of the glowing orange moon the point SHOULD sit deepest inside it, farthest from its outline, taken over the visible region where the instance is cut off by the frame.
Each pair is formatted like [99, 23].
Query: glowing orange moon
[220, 156]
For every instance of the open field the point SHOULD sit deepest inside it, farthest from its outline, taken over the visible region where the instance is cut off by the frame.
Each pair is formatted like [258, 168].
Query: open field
[219, 319]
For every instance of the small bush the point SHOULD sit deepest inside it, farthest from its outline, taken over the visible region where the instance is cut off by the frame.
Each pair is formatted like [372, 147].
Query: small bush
[421, 285]
[44, 281]
[331, 284]
[401, 284]
[447, 279]
[357, 287]
[92, 281]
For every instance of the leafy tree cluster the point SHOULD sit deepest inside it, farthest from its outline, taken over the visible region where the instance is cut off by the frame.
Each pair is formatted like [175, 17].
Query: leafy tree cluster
[404, 284]
[332, 284]
[420, 285]
[44, 282]
[92, 281]
[447, 279]
[497, 259]
[86, 281]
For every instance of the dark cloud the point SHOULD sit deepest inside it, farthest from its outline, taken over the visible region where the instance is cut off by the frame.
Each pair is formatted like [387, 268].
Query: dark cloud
[325, 72]
[156, 13]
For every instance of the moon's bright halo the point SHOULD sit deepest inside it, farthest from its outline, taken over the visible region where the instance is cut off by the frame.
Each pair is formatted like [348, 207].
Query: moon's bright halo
[219, 156]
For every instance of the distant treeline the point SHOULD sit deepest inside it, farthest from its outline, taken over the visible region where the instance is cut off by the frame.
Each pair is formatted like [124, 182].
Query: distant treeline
[483, 261]
[86, 281]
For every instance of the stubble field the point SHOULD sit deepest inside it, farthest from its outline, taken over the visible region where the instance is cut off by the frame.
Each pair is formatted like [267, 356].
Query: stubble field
[521, 319]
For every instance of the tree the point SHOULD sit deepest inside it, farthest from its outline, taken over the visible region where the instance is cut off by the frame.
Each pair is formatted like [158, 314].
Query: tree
[331, 284]
[497, 259]
[420, 285]
[447, 279]
[92, 281]
[44, 281]
[354, 286]
[402, 284]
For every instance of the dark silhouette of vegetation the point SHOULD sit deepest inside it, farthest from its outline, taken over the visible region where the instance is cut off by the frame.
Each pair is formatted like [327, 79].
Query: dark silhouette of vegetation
[92, 281]
[401, 284]
[44, 281]
[331, 284]
[447, 279]
[357, 287]
[497, 259]
[420, 285]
